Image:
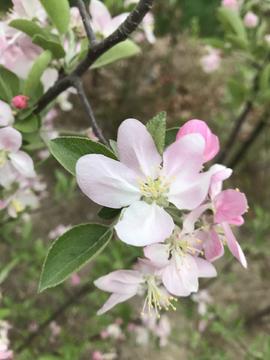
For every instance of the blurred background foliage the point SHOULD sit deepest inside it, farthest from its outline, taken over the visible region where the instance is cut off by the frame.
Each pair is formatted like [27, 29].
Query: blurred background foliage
[198, 17]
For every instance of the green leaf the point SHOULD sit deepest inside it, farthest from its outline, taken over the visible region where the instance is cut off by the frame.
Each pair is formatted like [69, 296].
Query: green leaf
[9, 84]
[264, 78]
[68, 149]
[237, 41]
[237, 90]
[56, 49]
[59, 13]
[71, 251]
[114, 147]
[108, 213]
[232, 22]
[170, 136]
[157, 128]
[4, 313]
[28, 27]
[6, 270]
[28, 125]
[36, 72]
[122, 50]
[215, 43]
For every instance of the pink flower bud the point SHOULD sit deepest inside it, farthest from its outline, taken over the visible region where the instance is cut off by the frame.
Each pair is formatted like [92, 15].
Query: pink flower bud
[251, 20]
[20, 101]
[231, 4]
[131, 326]
[103, 335]
[118, 321]
[75, 279]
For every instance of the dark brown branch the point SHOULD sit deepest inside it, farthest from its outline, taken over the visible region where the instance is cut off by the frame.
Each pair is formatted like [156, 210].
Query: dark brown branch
[253, 136]
[83, 291]
[86, 23]
[257, 316]
[239, 122]
[124, 30]
[78, 85]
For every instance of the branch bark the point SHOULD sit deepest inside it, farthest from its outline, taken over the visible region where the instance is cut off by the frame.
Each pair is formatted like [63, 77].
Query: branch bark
[86, 23]
[78, 85]
[119, 35]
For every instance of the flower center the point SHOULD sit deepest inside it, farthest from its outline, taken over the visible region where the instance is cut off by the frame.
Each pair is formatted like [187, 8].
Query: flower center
[155, 189]
[17, 206]
[3, 157]
[156, 298]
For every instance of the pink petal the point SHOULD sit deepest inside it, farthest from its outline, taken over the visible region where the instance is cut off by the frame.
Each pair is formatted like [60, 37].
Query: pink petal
[6, 117]
[23, 163]
[136, 148]
[213, 247]
[8, 174]
[113, 300]
[193, 216]
[220, 173]
[200, 127]
[100, 14]
[121, 281]
[205, 268]
[233, 244]
[10, 139]
[189, 193]
[144, 224]
[229, 204]
[184, 157]
[106, 181]
[238, 221]
[157, 254]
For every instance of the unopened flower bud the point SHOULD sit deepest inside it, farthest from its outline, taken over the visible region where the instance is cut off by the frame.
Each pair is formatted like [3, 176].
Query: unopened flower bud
[251, 20]
[20, 101]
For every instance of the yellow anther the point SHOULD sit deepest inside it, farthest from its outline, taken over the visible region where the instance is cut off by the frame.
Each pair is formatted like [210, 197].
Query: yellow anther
[193, 252]
[171, 298]
[142, 313]
[166, 309]
[164, 176]
[202, 227]
[198, 240]
[159, 176]
[148, 177]
[154, 300]
[168, 183]
[141, 167]
[174, 308]
[158, 316]
[141, 184]
[191, 235]
[159, 166]
[237, 189]
[149, 303]
[152, 188]
[247, 207]
[160, 308]
[182, 263]
[137, 178]
[150, 314]
[224, 242]
[175, 299]
[161, 189]
[151, 168]
[143, 181]
[152, 306]
[173, 177]
[155, 195]
[167, 251]
[18, 207]
[187, 243]
[202, 252]
[148, 188]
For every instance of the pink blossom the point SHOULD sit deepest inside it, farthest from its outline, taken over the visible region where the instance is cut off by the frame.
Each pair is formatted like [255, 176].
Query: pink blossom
[102, 22]
[227, 207]
[114, 331]
[210, 62]
[200, 127]
[58, 231]
[180, 273]
[6, 354]
[142, 337]
[148, 26]
[55, 328]
[75, 279]
[33, 327]
[163, 330]
[202, 326]
[251, 20]
[131, 326]
[231, 4]
[13, 161]
[28, 9]
[140, 182]
[103, 335]
[98, 356]
[18, 201]
[6, 116]
[203, 298]
[91, 135]
[124, 284]
[118, 321]
[20, 101]
[44, 154]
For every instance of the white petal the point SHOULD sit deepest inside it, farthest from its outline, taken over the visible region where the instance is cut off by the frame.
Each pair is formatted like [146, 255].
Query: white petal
[106, 181]
[23, 163]
[144, 224]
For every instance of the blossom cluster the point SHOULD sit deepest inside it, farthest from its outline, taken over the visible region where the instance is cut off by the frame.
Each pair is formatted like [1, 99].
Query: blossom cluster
[151, 189]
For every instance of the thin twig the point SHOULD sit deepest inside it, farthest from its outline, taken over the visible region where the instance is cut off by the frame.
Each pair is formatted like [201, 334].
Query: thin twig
[78, 85]
[253, 136]
[75, 298]
[238, 124]
[121, 34]
[86, 23]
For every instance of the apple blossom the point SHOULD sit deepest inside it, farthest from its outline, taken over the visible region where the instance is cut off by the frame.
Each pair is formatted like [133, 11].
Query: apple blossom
[125, 284]
[18, 201]
[102, 22]
[147, 26]
[75, 279]
[199, 127]
[58, 231]
[181, 266]
[251, 20]
[6, 115]
[140, 181]
[20, 101]
[227, 207]
[163, 330]
[13, 161]
[210, 62]
[203, 298]
[28, 9]
[5, 353]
